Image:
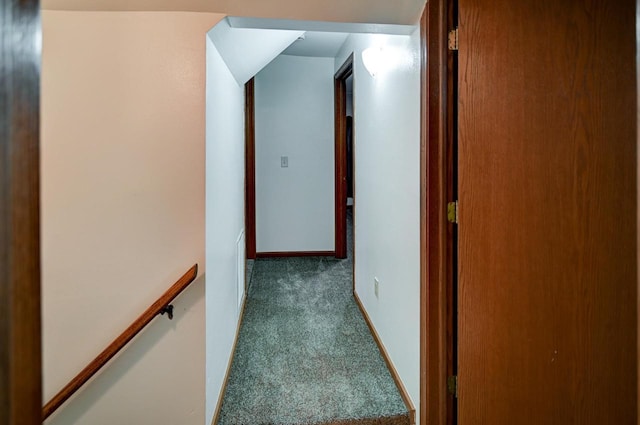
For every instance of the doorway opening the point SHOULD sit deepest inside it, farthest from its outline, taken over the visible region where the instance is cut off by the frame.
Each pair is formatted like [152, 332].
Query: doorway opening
[351, 193]
[341, 155]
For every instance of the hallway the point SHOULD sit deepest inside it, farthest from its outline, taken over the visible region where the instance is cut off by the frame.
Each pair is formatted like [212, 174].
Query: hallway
[305, 354]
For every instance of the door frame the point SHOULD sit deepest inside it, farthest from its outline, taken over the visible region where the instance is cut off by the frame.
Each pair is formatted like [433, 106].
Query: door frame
[250, 183]
[20, 328]
[435, 251]
[340, 155]
[250, 169]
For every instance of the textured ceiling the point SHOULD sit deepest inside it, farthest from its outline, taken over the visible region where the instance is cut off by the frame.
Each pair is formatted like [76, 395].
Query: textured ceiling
[403, 12]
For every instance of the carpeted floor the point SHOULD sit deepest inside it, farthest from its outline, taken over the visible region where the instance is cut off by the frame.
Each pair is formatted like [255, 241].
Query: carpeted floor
[305, 354]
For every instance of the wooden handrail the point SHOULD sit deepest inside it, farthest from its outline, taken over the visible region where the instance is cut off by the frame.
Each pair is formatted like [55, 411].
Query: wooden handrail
[117, 344]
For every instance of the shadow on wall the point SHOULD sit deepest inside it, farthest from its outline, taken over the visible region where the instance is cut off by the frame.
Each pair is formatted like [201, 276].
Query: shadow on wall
[134, 353]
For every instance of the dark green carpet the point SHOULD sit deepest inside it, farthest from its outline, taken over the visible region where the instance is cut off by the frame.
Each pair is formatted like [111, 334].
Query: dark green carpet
[305, 354]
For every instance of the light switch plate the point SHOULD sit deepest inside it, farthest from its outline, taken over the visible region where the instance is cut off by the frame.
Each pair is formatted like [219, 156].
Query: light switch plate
[284, 161]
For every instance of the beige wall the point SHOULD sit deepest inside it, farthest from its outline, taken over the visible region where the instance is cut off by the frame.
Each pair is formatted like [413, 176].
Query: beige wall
[123, 209]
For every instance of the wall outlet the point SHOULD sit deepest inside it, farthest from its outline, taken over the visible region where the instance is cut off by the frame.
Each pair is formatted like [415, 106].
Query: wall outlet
[376, 285]
[284, 161]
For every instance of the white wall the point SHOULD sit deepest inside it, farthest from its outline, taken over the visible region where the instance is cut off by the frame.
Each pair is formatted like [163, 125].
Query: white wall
[123, 210]
[224, 217]
[294, 118]
[225, 250]
[387, 207]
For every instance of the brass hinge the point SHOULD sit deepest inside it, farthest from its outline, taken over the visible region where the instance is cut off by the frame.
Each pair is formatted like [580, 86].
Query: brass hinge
[452, 385]
[453, 39]
[452, 212]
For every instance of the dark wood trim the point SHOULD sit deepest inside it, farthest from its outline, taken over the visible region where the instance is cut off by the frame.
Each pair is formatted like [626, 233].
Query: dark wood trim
[433, 274]
[385, 355]
[250, 168]
[388, 420]
[346, 69]
[638, 218]
[279, 254]
[223, 390]
[107, 354]
[451, 230]
[340, 155]
[20, 338]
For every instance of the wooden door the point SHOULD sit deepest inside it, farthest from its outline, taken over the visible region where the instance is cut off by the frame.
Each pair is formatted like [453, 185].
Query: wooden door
[548, 216]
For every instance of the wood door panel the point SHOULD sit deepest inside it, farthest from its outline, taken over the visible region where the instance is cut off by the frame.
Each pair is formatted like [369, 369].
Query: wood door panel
[548, 272]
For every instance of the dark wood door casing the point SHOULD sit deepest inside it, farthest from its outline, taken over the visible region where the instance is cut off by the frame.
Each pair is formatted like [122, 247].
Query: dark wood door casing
[20, 346]
[340, 153]
[434, 252]
[250, 168]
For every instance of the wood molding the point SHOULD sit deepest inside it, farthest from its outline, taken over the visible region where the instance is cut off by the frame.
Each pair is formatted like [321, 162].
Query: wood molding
[223, 390]
[340, 155]
[389, 420]
[250, 168]
[433, 228]
[112, 349]
[451, 194]
[387, 359]
[279, 254]
[20, 316]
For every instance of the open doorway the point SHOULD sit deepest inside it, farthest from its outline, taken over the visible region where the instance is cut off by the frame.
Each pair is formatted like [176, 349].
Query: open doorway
[351, 193]
[382, 117]
[342, 153]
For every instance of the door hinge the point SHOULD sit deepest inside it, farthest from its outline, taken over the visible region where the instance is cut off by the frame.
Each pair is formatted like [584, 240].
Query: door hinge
[452, 385]
[452, 212]
[453, 39]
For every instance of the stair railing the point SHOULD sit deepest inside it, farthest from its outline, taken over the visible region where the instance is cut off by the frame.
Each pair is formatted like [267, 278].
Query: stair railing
[161, 306]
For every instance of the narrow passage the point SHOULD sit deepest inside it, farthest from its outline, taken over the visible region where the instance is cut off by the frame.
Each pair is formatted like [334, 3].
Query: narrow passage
[305, 354]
